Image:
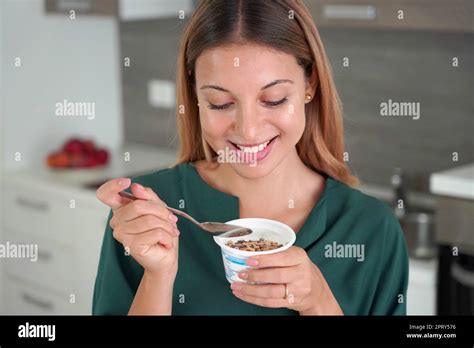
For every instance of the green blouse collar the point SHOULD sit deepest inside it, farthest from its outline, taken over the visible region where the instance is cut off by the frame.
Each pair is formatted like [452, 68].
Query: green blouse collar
[224, 207]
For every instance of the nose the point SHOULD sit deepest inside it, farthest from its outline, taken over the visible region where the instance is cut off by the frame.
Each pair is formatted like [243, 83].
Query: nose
[247, 123]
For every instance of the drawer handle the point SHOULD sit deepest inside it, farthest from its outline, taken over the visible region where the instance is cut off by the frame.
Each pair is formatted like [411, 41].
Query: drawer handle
[37, 302]
[44, 255]
[462, 275]
[41, 206]
[358, 12]
[66, 5]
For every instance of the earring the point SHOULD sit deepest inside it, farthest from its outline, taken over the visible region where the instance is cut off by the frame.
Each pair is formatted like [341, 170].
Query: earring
[308, 97]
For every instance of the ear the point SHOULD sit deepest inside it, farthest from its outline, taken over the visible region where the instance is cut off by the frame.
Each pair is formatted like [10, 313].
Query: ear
[312, 82]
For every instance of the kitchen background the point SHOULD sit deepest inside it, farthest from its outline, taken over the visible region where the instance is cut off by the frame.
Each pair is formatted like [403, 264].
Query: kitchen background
[121, 55]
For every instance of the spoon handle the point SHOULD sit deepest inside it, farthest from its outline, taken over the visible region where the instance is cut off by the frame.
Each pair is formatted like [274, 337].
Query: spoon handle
[173, 210]
[183, 214]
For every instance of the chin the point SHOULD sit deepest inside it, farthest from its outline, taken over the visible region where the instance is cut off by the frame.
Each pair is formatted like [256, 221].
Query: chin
[250, 171]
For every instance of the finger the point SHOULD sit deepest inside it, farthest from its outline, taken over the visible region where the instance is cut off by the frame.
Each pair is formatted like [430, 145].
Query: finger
[278, 275]
[259, 301]
[292, 256]
[139, 208]
[108, 192]
[154, 196]
[276, 291]
[143, 242]
[138, 243]
[149, 222]
[146, 193]
[176, 241]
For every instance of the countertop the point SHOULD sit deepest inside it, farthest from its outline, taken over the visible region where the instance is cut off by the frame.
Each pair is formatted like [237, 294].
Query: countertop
[146, 159]
[456, 182]
[131, 160]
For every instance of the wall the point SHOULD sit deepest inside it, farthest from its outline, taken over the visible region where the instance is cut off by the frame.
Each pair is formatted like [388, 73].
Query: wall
[77, 60]
[408, 67]
[152, 47]
[405, 66]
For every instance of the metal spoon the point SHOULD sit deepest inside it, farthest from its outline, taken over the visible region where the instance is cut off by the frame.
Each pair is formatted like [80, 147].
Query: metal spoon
[218, 229]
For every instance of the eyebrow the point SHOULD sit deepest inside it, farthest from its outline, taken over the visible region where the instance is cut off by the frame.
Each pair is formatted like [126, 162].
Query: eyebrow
[273, 83]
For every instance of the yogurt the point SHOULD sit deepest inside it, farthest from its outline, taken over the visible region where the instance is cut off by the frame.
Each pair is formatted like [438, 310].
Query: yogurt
[235, 259]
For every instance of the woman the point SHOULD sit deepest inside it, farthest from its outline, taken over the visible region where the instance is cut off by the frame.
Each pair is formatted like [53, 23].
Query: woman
[260, 136]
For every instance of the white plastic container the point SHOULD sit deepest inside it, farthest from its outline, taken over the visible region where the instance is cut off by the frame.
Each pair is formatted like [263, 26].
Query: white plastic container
[235, 259]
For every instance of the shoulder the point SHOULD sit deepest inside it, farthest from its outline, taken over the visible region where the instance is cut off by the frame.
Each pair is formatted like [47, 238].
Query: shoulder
[371, 223]
[166, 182]
[358, 204]
[163, 175]
[371, 219]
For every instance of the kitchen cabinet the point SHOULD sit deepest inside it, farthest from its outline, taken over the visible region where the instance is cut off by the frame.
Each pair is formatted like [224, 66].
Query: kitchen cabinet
[125, 10]
[58, 212]
[454, 190]
[68, 241]
[421, 292]
[32, 299]
[452, 15]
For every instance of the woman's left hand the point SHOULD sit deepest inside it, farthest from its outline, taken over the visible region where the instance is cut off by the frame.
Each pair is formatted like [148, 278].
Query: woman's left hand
[308, 292]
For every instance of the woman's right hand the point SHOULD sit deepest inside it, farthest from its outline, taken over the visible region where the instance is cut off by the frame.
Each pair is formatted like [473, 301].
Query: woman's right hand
[145, 227]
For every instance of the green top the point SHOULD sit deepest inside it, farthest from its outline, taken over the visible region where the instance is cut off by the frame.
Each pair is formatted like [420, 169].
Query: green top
[372, 283]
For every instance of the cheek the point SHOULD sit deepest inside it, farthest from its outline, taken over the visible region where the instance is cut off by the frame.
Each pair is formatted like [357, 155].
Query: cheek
[214, 126]
[291, 122]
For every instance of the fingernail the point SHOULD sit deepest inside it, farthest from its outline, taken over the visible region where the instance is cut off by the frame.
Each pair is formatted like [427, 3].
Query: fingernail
[172, 217]
[177, 232]
[138, 186]
[252, 262]
[236, 286]
[124, 182]
[243, 275]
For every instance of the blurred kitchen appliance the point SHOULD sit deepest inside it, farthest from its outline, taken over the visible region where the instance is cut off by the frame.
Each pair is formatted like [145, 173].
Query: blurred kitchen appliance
[452, 15]
[125, 10]
[455, 222]
[417, 223]
[419, 230]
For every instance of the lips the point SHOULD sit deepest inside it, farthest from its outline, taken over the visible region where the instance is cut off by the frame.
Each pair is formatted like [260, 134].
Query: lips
[256, 152]
[254, 148]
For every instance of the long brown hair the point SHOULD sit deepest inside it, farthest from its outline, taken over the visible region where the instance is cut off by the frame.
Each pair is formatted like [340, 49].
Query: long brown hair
[284, 25]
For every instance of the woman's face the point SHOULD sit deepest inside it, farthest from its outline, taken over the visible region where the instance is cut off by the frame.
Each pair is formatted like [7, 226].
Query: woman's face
[251, 106]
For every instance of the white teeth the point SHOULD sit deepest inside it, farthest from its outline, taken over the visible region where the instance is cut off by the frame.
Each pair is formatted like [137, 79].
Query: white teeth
[253, 149]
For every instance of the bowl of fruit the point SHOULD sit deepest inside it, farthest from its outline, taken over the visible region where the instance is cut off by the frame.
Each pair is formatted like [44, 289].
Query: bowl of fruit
[78, 153]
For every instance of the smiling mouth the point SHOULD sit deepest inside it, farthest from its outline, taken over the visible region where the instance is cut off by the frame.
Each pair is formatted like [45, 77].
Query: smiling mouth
[254, 148]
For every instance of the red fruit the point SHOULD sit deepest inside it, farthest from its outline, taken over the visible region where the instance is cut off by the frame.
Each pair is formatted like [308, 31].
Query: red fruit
[78, 160]
[88, 147]
[73, 146]
[91, 162]
[58, 160]
[102, 156]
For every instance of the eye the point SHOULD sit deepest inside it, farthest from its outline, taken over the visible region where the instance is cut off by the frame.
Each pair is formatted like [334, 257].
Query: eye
[273, 104]
[219, 107]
